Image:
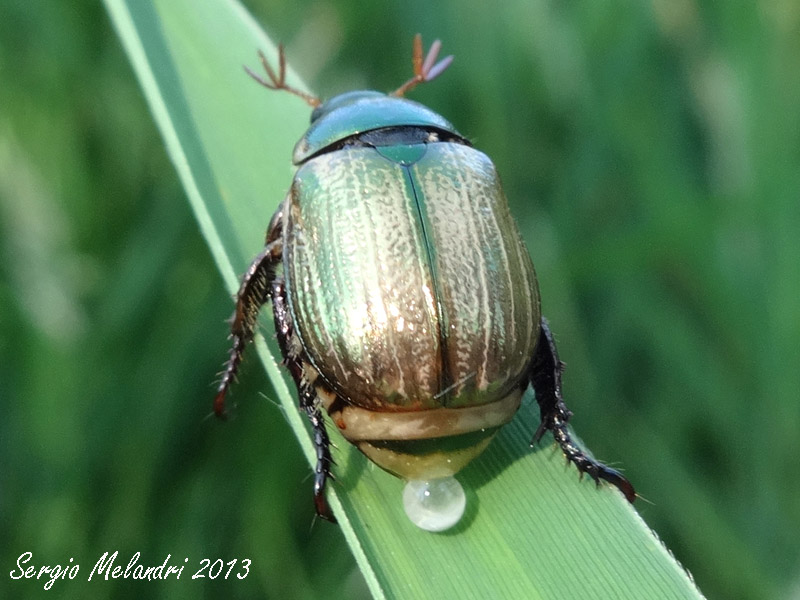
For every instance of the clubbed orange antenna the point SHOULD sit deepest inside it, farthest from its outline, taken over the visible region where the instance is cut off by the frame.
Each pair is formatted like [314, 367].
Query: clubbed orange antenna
[427, 70]
[278, 82]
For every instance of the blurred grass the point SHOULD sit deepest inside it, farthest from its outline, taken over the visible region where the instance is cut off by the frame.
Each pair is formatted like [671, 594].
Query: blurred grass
[651, 153]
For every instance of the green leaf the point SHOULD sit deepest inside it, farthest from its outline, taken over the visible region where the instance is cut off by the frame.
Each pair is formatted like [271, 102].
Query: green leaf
[532, 529]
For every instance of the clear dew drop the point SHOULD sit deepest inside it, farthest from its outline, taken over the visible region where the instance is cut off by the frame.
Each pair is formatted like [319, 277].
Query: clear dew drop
[434, 505]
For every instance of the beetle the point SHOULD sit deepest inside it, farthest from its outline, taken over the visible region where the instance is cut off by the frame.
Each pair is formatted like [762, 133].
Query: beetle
[408, 306]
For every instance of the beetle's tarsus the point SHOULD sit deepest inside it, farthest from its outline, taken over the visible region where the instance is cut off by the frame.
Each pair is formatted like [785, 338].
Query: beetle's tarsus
[322, 471]
[546, 371]
[228, 375]
[424, 70]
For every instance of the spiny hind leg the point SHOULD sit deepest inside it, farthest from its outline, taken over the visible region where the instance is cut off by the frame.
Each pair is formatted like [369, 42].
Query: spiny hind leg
[545, 375]
[254, 291]
[309, 401]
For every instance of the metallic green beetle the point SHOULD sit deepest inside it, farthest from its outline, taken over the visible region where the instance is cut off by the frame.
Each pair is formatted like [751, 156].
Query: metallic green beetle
[408, 306]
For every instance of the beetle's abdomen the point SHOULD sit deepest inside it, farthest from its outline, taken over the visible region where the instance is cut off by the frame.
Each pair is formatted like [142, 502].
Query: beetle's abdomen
[407, 279]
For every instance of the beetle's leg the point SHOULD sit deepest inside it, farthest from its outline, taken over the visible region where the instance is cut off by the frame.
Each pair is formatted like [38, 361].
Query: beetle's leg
[253, 293]
[293, 353]
[546, 372]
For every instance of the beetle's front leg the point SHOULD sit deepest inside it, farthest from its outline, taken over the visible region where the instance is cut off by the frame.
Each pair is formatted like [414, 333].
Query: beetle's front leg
[545, 375]
[293, 354]
[253, 293]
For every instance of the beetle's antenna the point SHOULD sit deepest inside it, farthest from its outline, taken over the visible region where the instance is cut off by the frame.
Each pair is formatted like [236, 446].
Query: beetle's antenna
[278, 82]
[424, 71]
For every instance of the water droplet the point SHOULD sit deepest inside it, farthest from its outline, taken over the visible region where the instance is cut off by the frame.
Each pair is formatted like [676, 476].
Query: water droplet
[434, 505]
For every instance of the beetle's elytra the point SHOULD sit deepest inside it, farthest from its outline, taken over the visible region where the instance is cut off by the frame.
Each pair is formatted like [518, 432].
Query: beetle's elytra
[407, 305]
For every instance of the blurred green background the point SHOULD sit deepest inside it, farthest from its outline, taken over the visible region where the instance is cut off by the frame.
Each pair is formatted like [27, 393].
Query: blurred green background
[651, 152]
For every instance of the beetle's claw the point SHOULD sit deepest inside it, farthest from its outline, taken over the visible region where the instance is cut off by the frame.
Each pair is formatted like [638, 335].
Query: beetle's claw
[323, 510]
[219, 405]
[599, 473]
[618, 480]
[540, 431]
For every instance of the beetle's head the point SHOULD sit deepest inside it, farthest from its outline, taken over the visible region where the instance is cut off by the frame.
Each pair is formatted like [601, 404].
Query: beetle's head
[341, 100]
[354, 113]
